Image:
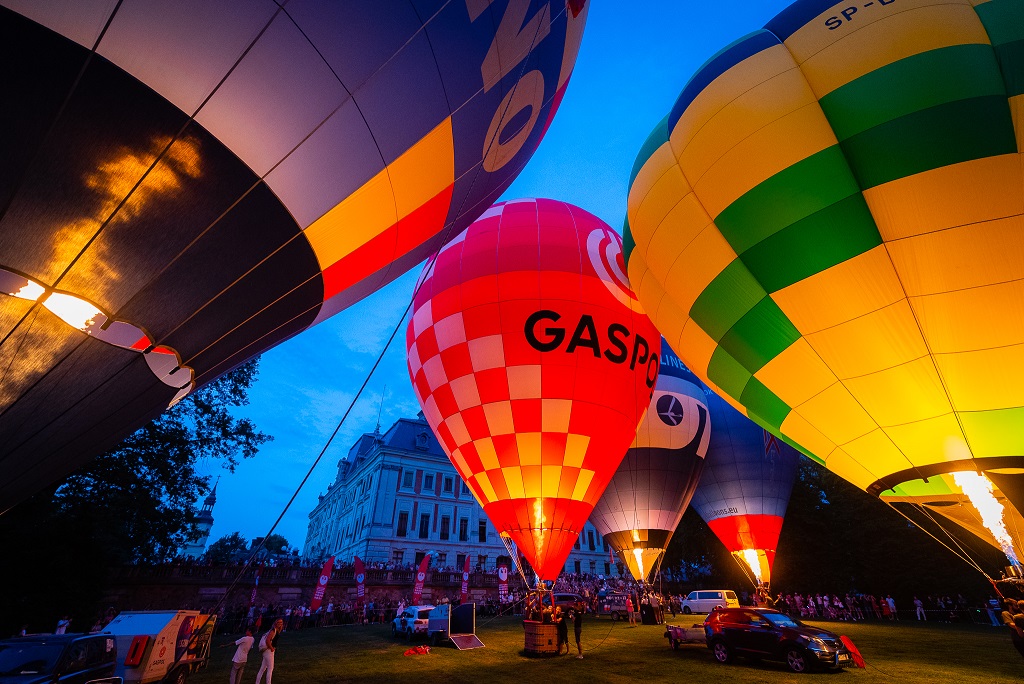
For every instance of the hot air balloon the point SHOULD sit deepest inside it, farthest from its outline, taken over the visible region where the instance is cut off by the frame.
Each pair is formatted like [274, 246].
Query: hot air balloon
[647, 496]
[534, 365]
[744, 490]
[186, 184]
[829, 228]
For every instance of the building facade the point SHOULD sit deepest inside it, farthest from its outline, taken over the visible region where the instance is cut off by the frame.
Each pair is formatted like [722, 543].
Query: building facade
[397, 497]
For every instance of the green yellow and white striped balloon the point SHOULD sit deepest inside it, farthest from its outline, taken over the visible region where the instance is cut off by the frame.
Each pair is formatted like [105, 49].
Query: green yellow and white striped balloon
[828, 227]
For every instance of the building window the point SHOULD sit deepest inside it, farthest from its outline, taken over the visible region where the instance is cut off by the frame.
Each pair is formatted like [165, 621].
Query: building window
[407, 479]
[428, 482]
[449, 485]
[460, 561]
[593, 567]
[419, 557]
[442, 558]
[481, 562]
[465, 488]
[577, 544]
[577, 564]
[464, 529]
[445, 525]
[607, 569]
[590, 539]
[397, 556]
[482, 531]
[422, 441]
[424, 526]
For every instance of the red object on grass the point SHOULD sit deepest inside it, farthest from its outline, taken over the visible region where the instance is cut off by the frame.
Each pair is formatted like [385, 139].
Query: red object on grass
[858, 659]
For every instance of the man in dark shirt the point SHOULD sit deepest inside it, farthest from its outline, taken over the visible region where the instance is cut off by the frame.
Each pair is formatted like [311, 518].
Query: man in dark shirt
[576, 615]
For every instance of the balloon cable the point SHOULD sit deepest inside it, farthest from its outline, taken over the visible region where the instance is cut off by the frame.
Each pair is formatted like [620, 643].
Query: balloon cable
[961, 555]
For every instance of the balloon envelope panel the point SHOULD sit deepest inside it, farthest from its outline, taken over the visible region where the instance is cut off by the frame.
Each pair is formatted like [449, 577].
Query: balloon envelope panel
[831, 222]
[185, 185]
[748, 477]
[646, 499]
[534, 365]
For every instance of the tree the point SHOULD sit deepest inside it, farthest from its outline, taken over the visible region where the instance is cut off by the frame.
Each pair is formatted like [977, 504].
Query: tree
[134, 503]
[227, 546]
[275, 544]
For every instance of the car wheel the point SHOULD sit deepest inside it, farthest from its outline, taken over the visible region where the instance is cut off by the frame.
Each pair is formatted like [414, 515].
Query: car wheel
[722, 651]
[686, 610]
[615, 616]
[179, 677]
[796, 658]
[408, 635]
[675, 644]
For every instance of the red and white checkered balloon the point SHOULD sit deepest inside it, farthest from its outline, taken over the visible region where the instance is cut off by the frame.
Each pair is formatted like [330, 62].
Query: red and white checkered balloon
[534, 364]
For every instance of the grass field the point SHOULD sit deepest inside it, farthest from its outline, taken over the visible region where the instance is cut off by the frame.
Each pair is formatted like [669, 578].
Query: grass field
[905, 652]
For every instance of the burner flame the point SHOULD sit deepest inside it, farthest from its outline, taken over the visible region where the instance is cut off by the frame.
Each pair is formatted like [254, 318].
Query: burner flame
[979, 490]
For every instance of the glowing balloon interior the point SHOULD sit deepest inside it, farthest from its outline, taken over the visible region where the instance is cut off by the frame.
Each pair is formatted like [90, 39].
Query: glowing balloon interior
[185, 185]
[646, 499]
[828, 227]
[534, 365]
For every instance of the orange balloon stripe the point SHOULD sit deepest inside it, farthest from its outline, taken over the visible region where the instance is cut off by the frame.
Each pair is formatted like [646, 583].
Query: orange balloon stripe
[401, 238]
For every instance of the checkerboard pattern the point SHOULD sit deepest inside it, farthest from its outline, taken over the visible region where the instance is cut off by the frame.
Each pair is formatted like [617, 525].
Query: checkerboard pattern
[536, 434]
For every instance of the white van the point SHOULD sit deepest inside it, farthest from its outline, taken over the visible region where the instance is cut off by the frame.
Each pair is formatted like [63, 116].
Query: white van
[707, 600]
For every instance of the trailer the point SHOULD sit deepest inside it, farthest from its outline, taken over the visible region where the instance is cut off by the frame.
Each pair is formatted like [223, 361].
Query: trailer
[163, 646]
[677, 634]
[454, 623]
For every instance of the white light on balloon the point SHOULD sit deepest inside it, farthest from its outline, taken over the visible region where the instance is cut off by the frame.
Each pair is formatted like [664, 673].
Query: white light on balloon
[979, 490]
[76, 312]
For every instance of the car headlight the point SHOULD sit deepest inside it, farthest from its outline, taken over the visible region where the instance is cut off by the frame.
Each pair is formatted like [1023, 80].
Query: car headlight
[814, 643]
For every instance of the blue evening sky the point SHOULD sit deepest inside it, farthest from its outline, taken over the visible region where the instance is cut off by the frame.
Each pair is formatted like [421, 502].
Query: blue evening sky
[635, 58]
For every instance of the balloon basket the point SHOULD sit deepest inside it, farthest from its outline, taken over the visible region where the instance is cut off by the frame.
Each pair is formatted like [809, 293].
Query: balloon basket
[540, 639]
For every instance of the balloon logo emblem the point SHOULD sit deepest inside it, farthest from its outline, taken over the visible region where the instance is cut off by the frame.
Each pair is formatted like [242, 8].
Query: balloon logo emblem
[360, 577]
[606, 257]
[323, 580]
[670, 410]
[420, 576]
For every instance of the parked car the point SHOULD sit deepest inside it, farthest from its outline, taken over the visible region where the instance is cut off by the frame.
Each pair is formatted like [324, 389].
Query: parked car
[411, 622]
[564, 600]
[707, 600]
[764, 633]
[63, 658]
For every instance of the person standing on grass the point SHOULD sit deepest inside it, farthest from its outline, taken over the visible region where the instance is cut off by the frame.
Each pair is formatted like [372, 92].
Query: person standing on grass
[563, 629]
[892, 608]
[576, 614]
[240, 658]
[629, 611]
[268, 647]
[919, 609]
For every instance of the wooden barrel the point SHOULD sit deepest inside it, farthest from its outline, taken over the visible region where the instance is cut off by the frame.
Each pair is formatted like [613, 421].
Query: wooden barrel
[540, 638]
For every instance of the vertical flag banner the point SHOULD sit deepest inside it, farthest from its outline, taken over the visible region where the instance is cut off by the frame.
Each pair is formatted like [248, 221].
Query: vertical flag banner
[321, 585]
[421, 576]
[503, 582]
[360, 579]
[465, 582]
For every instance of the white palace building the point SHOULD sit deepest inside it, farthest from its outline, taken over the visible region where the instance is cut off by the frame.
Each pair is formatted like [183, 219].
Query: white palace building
[397, 497]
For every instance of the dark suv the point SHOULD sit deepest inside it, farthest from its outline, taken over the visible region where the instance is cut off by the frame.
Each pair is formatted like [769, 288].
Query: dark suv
[58, 658]
[762, 633]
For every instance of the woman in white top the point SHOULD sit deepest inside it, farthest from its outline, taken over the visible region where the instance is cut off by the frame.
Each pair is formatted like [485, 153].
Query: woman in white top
[267, 648]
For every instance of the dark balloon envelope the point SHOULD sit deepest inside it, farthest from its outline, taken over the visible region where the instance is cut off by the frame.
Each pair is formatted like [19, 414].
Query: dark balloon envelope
[647, 496]
[743, 493]
[185, 185]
